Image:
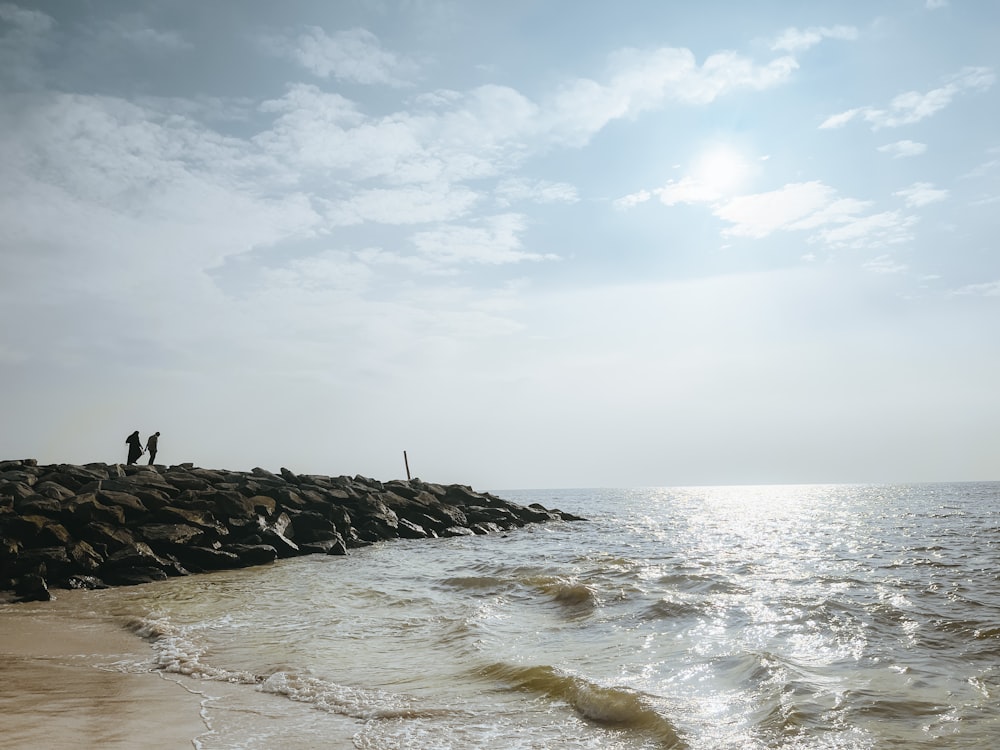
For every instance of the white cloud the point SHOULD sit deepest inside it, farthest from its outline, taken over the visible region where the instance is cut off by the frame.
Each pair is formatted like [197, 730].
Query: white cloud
[325, 272]
[539, 191]
[354, 55]
[764, 213]
[634, 199]
[799, 40]
[496, 240]
[884, 264]
[641, 80]
[936, 4]
[687, 190]
[914, 106]
[875, 230]
[987, 289]
[921, 194]
[902, 149]
[816, 208]
[404, 205]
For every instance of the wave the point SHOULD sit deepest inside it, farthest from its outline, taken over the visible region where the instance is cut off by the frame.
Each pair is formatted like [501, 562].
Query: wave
[175, 652]
[564, 590]
[611, 706]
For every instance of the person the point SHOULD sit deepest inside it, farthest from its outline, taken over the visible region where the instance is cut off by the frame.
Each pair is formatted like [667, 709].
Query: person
[151, 446]
[134, 443]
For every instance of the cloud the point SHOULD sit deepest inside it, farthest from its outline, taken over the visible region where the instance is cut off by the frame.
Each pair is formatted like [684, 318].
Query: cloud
[921, 194]
[354, 55]
[936, 4]
[914, 106]
[494, 241]
[403, 205]
[799, 40]
[642, 80]
[875, 230]
[762, 214]
[987, 289]
[812, 207]
[634, 199]
[903, 149]
[133, 29]
[884, 264]
[513, 190]
[26, 21]
[23, 35]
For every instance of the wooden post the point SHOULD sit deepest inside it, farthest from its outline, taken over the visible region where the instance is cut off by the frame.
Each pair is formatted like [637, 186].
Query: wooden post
[407, 462]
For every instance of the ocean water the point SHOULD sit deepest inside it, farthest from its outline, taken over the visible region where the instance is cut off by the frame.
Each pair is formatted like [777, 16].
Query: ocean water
[834, 616]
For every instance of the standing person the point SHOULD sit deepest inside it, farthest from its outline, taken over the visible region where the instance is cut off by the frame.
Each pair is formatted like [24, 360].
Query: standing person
[134, 443]
[151, 446]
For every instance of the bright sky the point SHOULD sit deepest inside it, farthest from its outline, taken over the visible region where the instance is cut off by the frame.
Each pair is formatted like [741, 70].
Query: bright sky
[563, 244]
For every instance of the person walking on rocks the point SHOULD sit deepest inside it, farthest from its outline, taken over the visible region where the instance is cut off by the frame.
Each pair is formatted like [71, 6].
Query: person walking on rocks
[134, 443]
[151, 446]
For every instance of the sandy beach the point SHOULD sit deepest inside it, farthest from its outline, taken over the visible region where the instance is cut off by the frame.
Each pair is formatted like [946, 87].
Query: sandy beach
[70, 679]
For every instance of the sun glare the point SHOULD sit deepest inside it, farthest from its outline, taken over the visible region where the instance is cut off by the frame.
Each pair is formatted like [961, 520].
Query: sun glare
[722, 170]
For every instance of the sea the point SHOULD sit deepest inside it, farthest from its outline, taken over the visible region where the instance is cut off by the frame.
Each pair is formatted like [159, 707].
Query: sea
[724, 618]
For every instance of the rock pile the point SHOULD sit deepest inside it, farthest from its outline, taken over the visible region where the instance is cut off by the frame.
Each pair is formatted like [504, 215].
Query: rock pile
[101, 525]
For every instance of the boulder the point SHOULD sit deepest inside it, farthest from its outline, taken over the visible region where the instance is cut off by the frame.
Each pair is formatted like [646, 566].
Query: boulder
[253, 554]
[38, 505]
[18, 490]
[32, 588]
[53, 490]
[169, 535]
[205, 558]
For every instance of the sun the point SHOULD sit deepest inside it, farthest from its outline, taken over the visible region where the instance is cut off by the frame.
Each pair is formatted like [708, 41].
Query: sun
[722, 170]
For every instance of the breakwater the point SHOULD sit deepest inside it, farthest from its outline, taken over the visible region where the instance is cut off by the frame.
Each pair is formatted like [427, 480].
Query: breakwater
[97, 525]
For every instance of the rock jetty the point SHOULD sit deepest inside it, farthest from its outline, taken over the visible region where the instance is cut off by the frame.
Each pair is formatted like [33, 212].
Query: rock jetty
[100, 525]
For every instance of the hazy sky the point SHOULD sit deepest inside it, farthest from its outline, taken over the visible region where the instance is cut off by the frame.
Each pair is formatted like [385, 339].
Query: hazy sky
[534, 244]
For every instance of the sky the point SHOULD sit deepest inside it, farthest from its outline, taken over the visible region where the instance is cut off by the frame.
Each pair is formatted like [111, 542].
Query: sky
[532, 244]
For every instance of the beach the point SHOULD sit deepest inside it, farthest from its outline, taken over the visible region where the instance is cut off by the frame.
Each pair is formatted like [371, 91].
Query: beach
[70, 679]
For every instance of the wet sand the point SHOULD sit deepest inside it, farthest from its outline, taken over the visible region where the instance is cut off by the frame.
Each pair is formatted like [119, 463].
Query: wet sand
[79, 681]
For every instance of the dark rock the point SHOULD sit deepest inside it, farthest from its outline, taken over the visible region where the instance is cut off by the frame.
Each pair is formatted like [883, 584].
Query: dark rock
[202, 519]
[486, 528]
[265, 474]
[105, 538]
[253, 554]
[87, 509]
[278, 534]
[38, 505]
[206, 558]
[169, 535]
[409, 530]
[310, 526]
[131, 505]
[263, 504]
[134, 576]
[87, 526]
[84, 556]
[53, 490]
[18, 490]
[32, 588]
[85, 582]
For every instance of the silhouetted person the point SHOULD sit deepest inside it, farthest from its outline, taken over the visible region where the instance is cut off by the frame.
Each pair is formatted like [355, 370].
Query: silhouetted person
[134, 443]
[151, 446]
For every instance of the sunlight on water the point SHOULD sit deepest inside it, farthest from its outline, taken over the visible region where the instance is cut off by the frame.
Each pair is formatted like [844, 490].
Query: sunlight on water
[800, 618]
